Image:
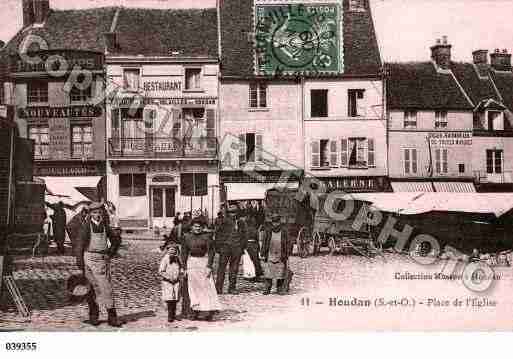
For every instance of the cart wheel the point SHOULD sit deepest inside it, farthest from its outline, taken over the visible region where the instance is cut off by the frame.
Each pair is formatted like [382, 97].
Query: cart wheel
[332, 245]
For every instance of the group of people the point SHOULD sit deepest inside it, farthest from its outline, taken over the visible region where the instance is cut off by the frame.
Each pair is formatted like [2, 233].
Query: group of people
[187, 267]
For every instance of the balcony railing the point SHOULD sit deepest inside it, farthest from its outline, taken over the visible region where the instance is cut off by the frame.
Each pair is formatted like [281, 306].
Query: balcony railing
[484, 177]
[152, 147]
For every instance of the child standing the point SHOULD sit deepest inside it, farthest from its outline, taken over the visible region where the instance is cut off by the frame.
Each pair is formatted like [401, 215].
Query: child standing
[170, 270]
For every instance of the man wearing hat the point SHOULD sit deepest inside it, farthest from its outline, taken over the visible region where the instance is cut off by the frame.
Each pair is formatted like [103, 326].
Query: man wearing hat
[97, 244]
[230, 241]
[275, 254]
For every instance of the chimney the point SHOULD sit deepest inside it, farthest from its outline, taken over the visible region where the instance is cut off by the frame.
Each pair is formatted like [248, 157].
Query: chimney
[28, 12]
[441, 53]
[480, 57]
[41, 10]
[111, 41]
[501, 61]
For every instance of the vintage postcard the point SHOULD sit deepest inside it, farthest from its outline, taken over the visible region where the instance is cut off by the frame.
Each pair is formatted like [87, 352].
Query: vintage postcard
[227, 165]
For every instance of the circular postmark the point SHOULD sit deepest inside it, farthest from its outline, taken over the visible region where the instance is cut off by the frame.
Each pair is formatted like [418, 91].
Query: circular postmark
[292, 39]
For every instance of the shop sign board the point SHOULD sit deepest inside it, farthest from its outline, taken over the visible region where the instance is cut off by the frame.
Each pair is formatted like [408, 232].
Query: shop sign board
[59, 131]
[450, 139]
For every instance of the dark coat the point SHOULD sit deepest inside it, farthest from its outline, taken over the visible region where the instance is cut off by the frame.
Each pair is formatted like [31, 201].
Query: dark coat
[85, 237]
[225, 230]
[286, 245]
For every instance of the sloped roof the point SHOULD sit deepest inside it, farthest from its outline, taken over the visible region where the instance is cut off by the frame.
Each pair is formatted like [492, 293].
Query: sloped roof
[418, 85]
[70, 29]
[476, 87]
[149, 32]
[504, 82]
[158, 32]
[361, 54]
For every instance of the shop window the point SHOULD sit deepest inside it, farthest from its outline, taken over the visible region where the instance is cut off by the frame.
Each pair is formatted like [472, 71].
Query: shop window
[410, 119]
[441, 119]
[354, 97]
[441, 161]
[39, 134]
[258, 95]
[319, 103]
[494, 159]
[193, 79]
[131, 79]
[132, 185]
[250, 148]
[37, 92]
[2, 94]
[410, 161]
[80, 95]
[82, 141]
[194, 184]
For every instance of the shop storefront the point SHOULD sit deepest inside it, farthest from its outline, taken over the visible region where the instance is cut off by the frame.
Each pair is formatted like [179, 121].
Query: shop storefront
[162, 146]
[64, 115]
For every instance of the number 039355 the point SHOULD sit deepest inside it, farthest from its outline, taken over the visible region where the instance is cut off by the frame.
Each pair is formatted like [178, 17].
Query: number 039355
[20, 346]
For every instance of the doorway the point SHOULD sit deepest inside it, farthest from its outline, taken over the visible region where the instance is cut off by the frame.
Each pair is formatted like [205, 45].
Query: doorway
[163, 206]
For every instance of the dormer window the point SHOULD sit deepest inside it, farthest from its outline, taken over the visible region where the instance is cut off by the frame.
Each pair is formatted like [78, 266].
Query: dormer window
[441, 119]
[495, 121]
[193, 79]
[357, 5]
[410, 119]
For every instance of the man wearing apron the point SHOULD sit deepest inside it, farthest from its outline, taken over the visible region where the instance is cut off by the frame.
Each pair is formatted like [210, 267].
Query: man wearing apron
[96, 253]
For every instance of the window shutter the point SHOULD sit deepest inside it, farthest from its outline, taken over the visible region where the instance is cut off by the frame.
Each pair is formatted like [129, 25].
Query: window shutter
[406, 161]
[177, 123]
[371, 154]
[444, 161]
[259, 148]
[316, 154]
[263, 95]
[414, 160]
[211, 128]
[334, 153]
[242, 149]
[437, 161]
[344, 159]
[253, 95]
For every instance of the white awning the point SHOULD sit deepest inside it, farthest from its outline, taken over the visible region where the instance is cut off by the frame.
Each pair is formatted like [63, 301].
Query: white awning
[64, 189]
[455, 187]
[249, 191]
[417, 203]
[412, 186]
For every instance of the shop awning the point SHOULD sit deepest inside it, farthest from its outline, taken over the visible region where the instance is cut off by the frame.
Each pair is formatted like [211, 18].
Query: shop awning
[72, 191]
[418, 203]
[250, 191]
[412, 186]
[455, 187]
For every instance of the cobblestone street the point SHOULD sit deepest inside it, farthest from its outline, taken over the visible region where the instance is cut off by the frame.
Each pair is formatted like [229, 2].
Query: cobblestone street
[137, 290]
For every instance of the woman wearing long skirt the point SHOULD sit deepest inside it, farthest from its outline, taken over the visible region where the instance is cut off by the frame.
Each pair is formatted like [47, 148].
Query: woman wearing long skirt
[198, 257]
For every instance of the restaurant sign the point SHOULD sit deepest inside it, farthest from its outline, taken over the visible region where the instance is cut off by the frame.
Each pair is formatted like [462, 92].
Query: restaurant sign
[445, 139]
[298, 39]
[60, 112]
